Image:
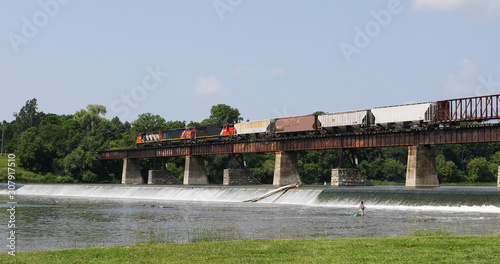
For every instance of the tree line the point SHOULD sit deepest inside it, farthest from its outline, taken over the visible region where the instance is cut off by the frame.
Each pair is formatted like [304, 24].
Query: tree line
[62, 148]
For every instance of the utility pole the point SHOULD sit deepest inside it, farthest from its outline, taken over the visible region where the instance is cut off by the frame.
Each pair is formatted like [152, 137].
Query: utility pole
[3, 128]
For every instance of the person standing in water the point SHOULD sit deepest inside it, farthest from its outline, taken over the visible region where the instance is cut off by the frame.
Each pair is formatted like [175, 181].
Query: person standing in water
[361, 211]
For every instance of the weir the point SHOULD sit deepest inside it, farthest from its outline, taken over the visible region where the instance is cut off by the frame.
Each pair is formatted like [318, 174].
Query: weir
[442, 198]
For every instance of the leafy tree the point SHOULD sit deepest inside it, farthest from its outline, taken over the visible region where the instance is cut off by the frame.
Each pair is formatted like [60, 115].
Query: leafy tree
[480, 170]
[175, 124]
[27, 116]
[447, 170]
[148, 122]
[261, 166]
[222, 114]
[10, 138]
[372, 170]
[90, 118]
[32, 152]
[495, 158]
[315, 166]
[394, 170]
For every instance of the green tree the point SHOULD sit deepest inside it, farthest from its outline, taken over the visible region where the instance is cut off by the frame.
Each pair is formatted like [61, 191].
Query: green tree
[175, 124]
[480, 170]
[447, 170]
[28, 116]
[90, 118]
[32, 152]
[222, 114]
[371, 170]
[148, 122]
[394, 170]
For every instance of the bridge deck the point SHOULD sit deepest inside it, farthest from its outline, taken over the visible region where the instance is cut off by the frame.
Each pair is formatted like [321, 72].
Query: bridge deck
[431, 136]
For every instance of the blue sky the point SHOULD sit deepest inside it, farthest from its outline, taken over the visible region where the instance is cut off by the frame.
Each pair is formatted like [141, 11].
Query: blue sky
[268, 59]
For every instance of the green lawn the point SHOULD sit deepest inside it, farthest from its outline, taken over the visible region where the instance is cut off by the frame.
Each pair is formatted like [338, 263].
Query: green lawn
[412, 249]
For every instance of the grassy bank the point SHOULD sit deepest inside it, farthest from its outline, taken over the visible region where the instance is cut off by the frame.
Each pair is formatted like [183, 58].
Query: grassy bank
[413, 249]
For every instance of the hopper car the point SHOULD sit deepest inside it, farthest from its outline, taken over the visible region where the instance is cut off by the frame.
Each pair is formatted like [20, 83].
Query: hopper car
[418, 115]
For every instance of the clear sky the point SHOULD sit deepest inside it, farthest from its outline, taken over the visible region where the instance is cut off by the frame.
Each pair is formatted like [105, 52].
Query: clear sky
[268, 59]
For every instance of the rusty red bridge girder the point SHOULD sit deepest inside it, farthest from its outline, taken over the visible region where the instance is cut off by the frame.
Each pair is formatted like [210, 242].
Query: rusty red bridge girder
[430, 136]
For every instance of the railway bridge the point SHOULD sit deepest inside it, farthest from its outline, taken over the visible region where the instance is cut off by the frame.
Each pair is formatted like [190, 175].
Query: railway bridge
[421, 167]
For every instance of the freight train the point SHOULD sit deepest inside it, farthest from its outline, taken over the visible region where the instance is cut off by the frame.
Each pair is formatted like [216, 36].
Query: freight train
[418, 115]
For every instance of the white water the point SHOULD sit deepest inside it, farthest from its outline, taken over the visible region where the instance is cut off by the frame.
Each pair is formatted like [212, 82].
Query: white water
[299, 196]
[174, 193]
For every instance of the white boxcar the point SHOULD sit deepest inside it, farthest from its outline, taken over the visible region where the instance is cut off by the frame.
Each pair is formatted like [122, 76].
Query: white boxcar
[345, 120]
[405, 115]
[253, 127]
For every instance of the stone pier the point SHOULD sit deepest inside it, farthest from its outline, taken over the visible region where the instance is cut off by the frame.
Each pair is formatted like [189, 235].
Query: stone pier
[349, 177]
[421, 168]
[194, 171]
[162, 177]
[131, 173]
[239, 177]
[286, 169]
[498, 180]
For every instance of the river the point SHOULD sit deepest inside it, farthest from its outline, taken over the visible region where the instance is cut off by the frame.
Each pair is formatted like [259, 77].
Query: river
[50, 216]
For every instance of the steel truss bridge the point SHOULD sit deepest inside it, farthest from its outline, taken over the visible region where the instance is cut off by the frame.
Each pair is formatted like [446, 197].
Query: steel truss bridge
[391, 138]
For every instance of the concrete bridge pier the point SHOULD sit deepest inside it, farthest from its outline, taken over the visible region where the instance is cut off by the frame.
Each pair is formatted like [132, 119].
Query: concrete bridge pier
[131, 173]
[421, 169]
[162, 177]
[239, 177]
[498, 180]
[349, 177]
[194, 171]
[286, 169]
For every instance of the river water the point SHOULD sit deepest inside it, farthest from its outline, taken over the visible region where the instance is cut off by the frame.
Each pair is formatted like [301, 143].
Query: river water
[77, 216]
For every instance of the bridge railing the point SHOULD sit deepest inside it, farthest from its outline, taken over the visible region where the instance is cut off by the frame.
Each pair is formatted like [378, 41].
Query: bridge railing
[469, 109]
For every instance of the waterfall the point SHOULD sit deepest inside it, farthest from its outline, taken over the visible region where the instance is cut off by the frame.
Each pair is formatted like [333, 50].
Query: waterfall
[442, 198]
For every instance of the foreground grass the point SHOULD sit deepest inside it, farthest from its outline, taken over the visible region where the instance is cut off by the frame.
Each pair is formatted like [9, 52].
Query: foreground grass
[412, 249]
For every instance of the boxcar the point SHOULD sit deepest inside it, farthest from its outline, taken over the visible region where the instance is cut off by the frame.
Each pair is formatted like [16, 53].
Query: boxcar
[405, 115]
